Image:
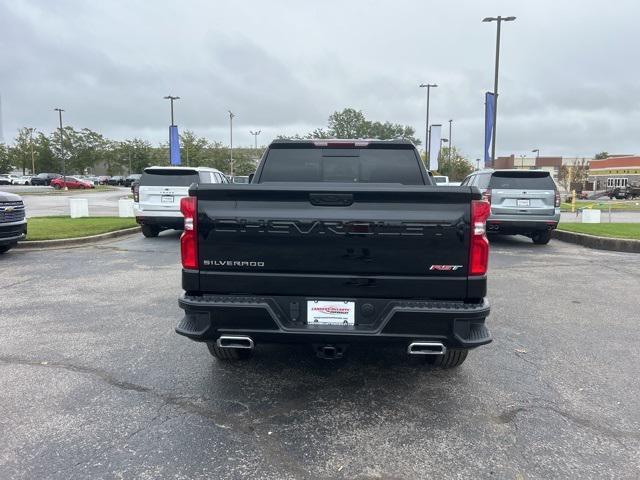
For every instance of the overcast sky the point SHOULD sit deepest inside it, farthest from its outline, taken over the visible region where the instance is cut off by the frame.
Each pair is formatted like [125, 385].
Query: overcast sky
[569, 78]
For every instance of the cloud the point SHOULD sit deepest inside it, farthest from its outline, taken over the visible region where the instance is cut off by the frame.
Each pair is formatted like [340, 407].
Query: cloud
[567, 83]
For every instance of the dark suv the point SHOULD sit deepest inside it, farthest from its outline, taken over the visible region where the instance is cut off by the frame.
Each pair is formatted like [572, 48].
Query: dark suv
[44, 178]
[523, 202]
[13, 224]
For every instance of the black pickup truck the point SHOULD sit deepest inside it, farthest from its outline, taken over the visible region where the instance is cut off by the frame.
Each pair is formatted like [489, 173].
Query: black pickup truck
[335, 243]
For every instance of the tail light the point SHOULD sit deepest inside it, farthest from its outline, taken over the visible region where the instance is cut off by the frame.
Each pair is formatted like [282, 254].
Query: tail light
[136, 193]
[479, 245]
[487, 195]
[557, 202]
[189, 237]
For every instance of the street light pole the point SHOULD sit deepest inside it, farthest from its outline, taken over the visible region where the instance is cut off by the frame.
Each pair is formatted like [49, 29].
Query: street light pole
[231, 115]
[499, 21]
[255, 136]
[450, 142]
[64, 166]
[171, 98]
[537, 152]
[428, 86]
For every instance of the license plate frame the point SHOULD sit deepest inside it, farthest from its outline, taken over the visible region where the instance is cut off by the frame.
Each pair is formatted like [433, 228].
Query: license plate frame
[166, 199]
[523, 202]
[322, 312]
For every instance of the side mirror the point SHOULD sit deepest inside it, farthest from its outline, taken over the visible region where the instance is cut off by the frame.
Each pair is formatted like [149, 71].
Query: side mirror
[251, 175]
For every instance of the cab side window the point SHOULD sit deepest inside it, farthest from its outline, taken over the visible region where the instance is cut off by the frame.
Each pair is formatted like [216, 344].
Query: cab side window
[483, 180]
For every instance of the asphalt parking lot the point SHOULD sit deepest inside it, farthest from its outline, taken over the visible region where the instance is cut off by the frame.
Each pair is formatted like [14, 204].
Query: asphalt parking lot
[43, 201]
[95, 384]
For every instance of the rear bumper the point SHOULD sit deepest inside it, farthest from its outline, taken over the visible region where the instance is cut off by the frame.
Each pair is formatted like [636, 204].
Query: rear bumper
[176, 223]
[283, 320]
[521, 224]
[11, 233]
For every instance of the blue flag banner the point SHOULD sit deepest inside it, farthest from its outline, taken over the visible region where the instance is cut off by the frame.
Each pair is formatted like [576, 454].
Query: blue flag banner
[489, 105]
[174, 145]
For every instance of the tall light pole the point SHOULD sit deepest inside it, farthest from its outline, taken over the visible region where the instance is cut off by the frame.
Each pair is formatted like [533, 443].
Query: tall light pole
[64, 166]
[231, 115]
[522, 157]
[499, 21]
[255, 136]
[428, 86]
[171, 98]
[537, 152]
[477, 164]
[450, 142]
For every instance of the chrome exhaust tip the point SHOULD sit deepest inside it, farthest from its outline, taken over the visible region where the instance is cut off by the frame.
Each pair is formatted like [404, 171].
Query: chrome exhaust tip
[426, 348]
[235, 341]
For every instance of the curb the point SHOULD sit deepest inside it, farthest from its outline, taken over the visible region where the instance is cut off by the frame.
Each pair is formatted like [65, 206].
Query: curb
[67, 242]
[598, 243]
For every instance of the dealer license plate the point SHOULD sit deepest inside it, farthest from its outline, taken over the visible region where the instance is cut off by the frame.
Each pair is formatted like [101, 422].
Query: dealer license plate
[167, 198]
[523, 203]
[328, 312]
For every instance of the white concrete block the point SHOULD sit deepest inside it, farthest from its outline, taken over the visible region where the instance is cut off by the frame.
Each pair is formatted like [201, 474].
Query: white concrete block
[125, 207]
[590, 216]
[78, 207]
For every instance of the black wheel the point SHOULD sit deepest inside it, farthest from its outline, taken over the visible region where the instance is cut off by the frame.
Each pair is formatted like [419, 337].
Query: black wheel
[453, 358]
[541, 237]
[150, 231]
[228, 354]
[56, 186]
[6, 248]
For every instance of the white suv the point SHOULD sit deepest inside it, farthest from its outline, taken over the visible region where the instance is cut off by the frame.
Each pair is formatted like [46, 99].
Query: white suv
[157, 196]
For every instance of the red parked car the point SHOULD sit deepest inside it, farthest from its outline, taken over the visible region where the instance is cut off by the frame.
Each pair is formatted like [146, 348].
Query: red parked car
[72, 182]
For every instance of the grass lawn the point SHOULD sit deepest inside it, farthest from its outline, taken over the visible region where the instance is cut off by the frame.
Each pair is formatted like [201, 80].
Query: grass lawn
[627, 205]
[618, 230]
[53, 228]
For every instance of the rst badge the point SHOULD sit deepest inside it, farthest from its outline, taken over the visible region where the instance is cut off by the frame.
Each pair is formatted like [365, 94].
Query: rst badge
[445, 268]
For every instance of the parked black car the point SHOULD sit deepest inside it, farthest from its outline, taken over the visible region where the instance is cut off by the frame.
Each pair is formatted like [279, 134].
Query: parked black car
[44, 178]
[128, 182]
[13, 224]
[116, 180]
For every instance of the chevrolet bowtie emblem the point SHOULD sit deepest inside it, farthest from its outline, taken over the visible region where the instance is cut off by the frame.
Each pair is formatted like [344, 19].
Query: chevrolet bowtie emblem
[9, 209]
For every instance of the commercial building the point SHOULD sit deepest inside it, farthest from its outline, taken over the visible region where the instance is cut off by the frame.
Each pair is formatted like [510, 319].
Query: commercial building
[613, 172]
[548, 163]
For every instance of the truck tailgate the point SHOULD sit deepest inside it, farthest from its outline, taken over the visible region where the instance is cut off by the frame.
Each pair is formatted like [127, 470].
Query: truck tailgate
[359, 238]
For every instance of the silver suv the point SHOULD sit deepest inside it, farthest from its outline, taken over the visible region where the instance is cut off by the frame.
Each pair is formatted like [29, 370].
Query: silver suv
[523, 202]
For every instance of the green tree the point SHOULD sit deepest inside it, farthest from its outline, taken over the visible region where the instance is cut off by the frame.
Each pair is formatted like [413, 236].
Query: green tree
[351, 123]
[456, 167]
[134, 155]
[601, 155]
[46, 160]
[194, 149]
[20, 151]
[5, 161]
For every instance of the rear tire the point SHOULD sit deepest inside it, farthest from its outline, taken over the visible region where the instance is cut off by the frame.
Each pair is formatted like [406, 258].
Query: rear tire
[228, 354]
[56, 187]
[541, 237]
[6, 248]
[452, 359]
[150, 231]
